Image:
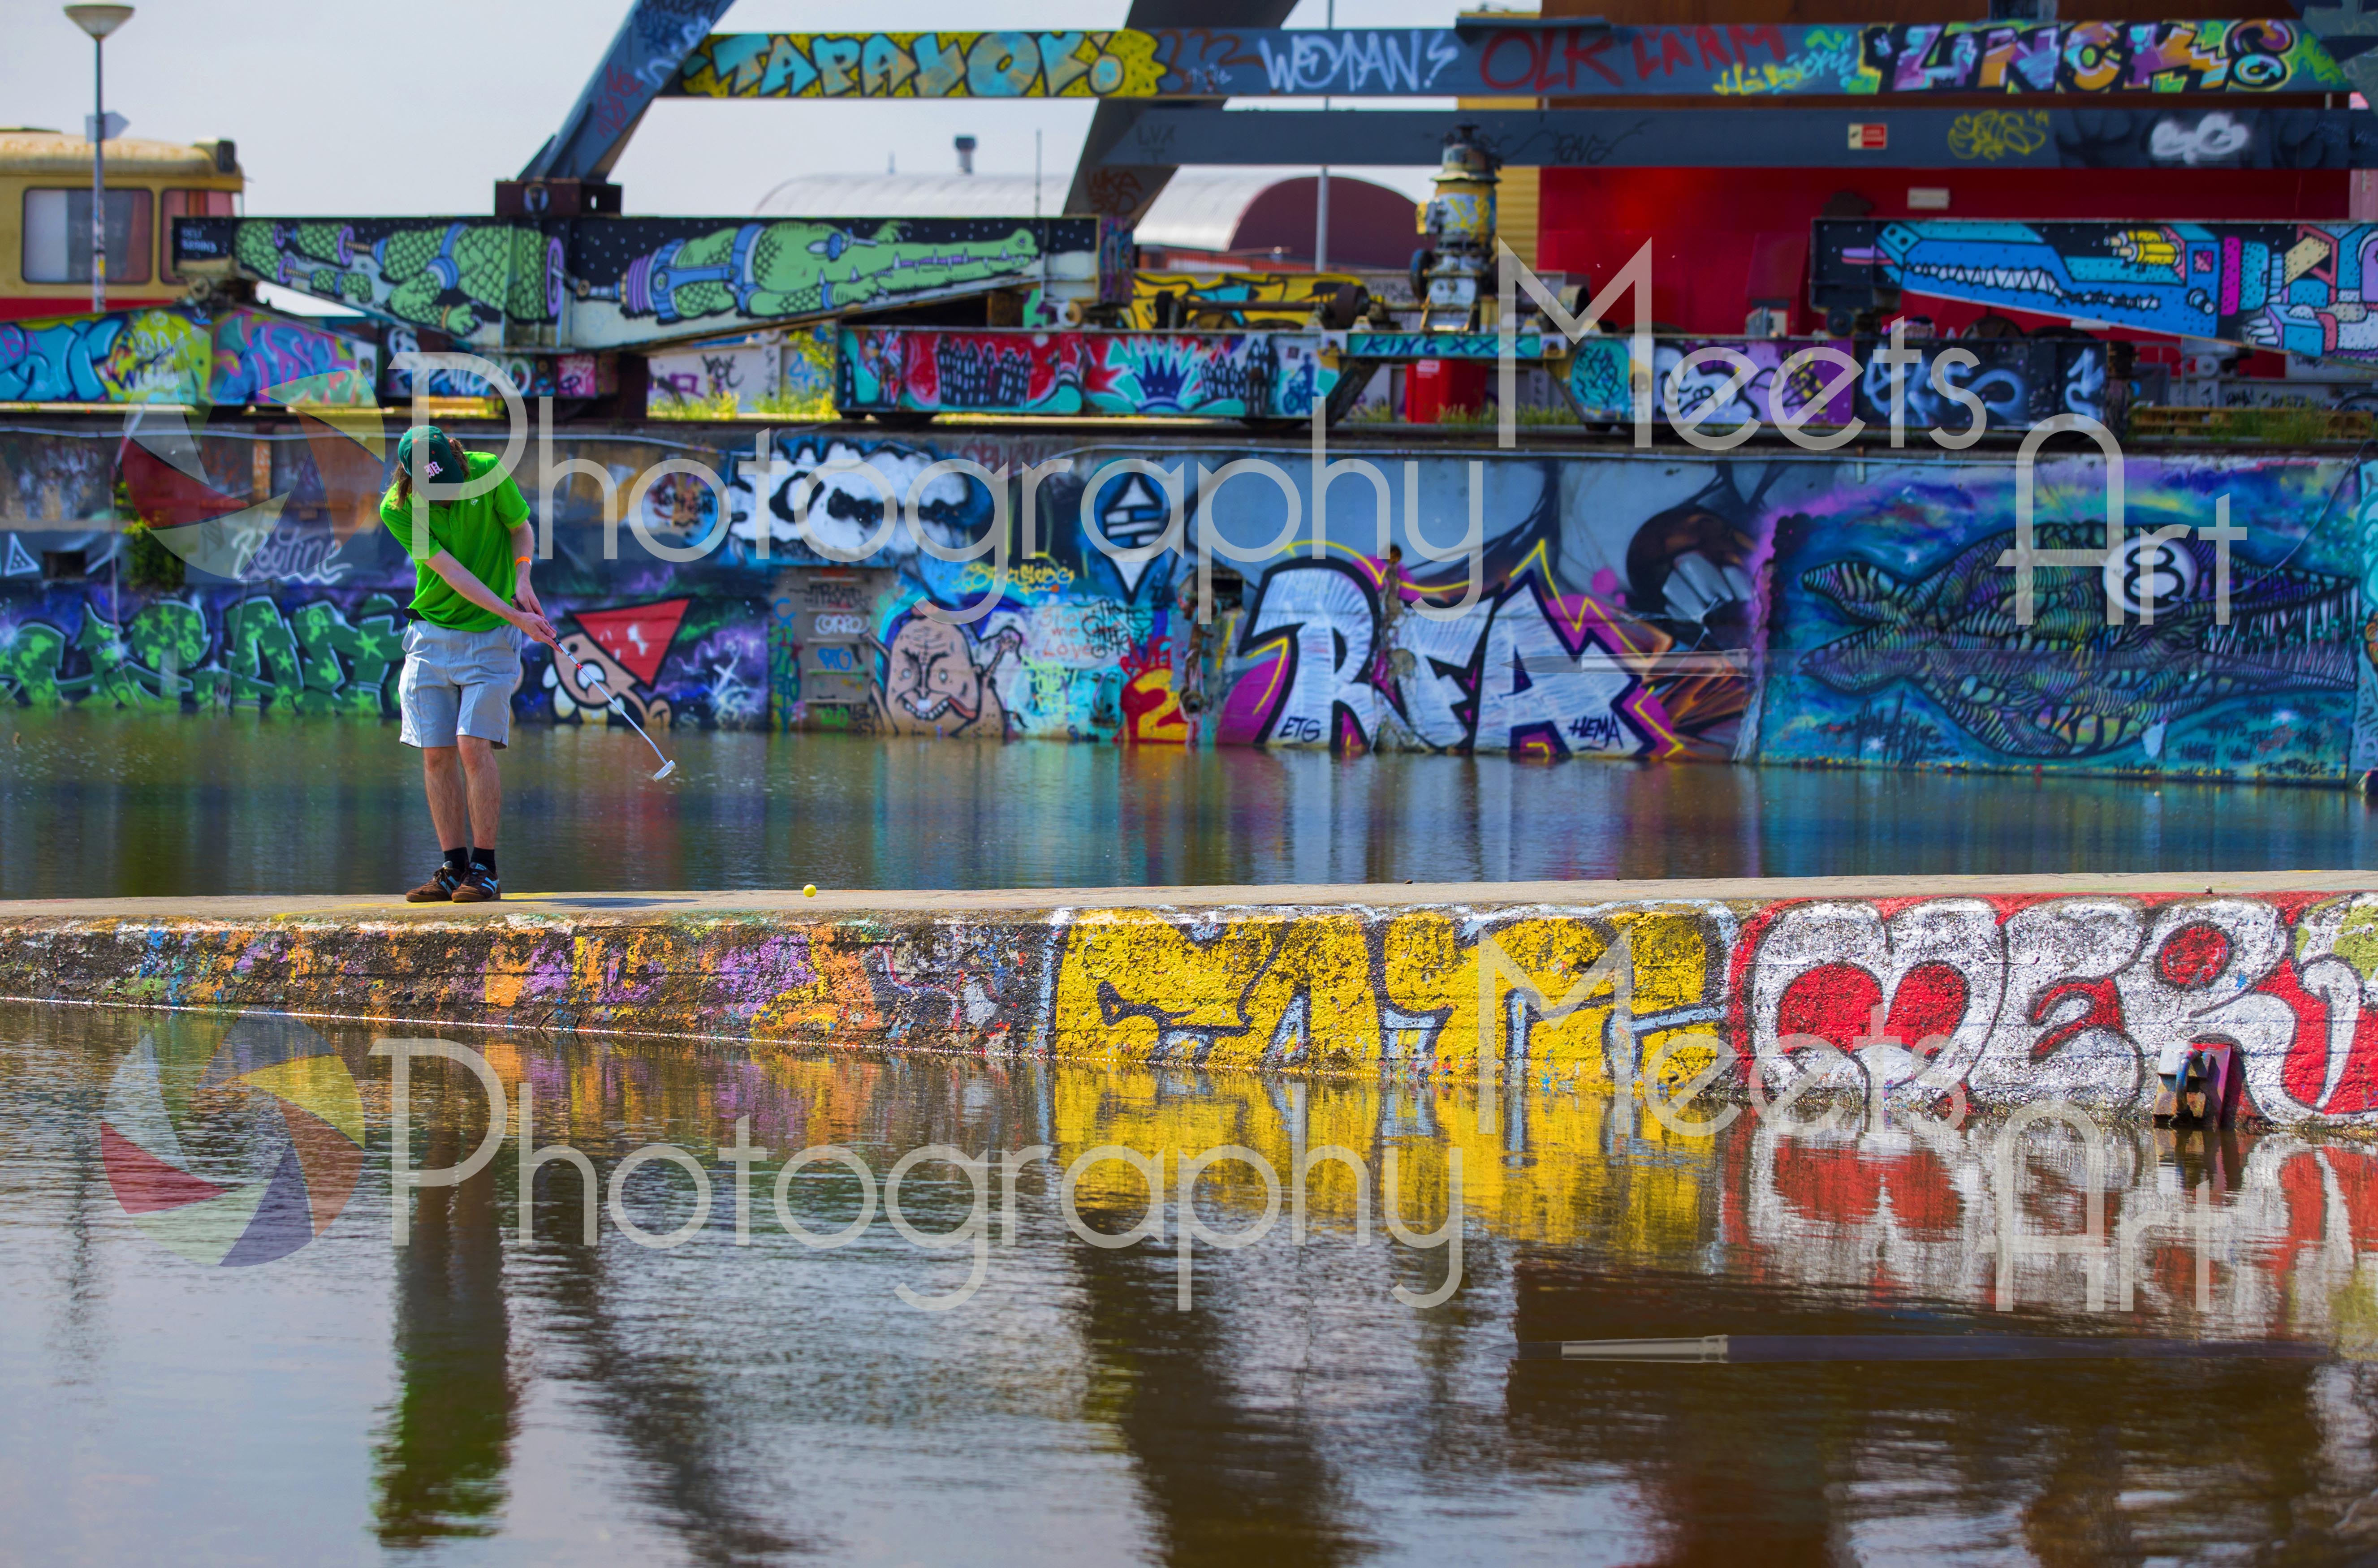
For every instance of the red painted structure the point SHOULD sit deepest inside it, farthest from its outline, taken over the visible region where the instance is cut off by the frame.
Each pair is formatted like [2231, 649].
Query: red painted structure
[1727, 239]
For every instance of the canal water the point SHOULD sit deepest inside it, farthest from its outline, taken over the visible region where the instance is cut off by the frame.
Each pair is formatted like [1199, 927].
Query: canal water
[109, 804]
[208, 1358]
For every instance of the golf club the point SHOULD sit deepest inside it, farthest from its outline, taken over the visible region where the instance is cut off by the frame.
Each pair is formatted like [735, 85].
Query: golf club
[595, 679]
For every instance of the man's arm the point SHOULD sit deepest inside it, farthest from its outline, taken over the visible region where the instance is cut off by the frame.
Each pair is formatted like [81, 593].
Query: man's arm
[467, 583]
[524, 556]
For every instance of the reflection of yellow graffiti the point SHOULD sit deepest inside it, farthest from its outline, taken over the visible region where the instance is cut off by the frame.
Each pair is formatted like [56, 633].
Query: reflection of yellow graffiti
[1992, 134]
[1649, 1203]
[1566, 1189]
[1343, 991]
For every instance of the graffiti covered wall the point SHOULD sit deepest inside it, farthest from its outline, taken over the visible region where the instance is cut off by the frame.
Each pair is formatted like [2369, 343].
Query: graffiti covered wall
[789, 375]
[1787, 607]
[304, 613]
[1220, 375]
[341, 651]
[533, 376]
[1889, 638]
[2020, 382]
[183, 356]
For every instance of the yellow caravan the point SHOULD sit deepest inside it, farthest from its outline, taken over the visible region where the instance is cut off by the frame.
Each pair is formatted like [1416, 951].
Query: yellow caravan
[45, 218]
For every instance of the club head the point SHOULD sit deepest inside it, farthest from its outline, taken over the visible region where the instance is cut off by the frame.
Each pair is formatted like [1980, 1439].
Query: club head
[667, 768]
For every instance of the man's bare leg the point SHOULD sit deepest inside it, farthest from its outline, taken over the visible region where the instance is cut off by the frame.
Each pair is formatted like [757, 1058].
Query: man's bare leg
[484, 790]
[448, 807]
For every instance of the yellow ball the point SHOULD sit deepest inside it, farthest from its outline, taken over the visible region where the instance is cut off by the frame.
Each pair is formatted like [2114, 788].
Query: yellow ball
[810, 892]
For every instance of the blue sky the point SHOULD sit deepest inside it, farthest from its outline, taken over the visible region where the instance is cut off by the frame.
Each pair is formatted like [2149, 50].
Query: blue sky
[344, 107]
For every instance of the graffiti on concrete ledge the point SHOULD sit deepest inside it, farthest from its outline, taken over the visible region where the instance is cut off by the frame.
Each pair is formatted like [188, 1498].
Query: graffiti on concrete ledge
[2212, 1009]
[2093, 1001]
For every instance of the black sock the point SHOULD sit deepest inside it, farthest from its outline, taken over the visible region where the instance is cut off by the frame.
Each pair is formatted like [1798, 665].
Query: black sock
[485, 857]
[458, 860]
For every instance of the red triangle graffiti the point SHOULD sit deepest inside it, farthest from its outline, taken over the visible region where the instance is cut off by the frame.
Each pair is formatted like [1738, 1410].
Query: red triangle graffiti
[636, 635]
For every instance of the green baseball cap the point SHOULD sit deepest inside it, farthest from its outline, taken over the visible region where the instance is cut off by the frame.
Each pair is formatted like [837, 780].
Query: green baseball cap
[441, 459]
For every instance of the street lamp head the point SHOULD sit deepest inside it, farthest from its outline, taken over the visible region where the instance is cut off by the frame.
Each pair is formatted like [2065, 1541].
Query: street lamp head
[99, 20]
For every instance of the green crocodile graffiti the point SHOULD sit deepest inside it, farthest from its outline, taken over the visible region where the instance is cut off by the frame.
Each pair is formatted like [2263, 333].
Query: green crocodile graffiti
[454, 276]
[767, 271]
[632, 279]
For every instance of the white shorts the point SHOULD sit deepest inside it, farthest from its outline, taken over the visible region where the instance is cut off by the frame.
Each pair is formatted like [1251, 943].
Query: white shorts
[458, 682]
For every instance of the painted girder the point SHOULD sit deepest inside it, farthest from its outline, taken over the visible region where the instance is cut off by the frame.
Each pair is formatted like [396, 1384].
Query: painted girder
[644, 58]
[1587, 60]
[2166, 135]
[609, 283]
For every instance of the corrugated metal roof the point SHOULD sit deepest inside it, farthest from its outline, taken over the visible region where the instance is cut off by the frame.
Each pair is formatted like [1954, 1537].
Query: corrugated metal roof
[914, 196]
[1201, 208]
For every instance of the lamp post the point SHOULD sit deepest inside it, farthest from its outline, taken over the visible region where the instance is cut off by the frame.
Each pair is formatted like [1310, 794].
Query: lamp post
[98, 21]
[1321, 186]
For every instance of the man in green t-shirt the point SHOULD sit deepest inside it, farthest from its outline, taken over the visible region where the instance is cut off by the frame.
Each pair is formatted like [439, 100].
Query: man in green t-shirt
[471, 560]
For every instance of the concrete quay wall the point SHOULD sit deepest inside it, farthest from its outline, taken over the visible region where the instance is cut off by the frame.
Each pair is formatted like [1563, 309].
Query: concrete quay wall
[2008, 989]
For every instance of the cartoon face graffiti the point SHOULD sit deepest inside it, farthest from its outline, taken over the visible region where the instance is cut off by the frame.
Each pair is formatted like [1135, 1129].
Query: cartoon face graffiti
[938, 681]
[575, 689]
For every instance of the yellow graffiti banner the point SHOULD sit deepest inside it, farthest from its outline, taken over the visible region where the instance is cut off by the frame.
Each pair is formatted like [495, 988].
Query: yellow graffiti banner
[922, 64]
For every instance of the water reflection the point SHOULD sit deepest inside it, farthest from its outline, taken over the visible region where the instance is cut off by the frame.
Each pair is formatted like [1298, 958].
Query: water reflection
[657, 1405]
[441, 1454]
[726, 1404]
[95, 804]
[1227, 1474]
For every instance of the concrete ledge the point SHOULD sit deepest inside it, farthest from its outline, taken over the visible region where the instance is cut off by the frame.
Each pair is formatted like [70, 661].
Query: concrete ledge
[2011, 988]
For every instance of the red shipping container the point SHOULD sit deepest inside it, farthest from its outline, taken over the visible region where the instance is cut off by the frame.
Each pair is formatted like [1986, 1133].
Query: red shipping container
[1437, 386]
